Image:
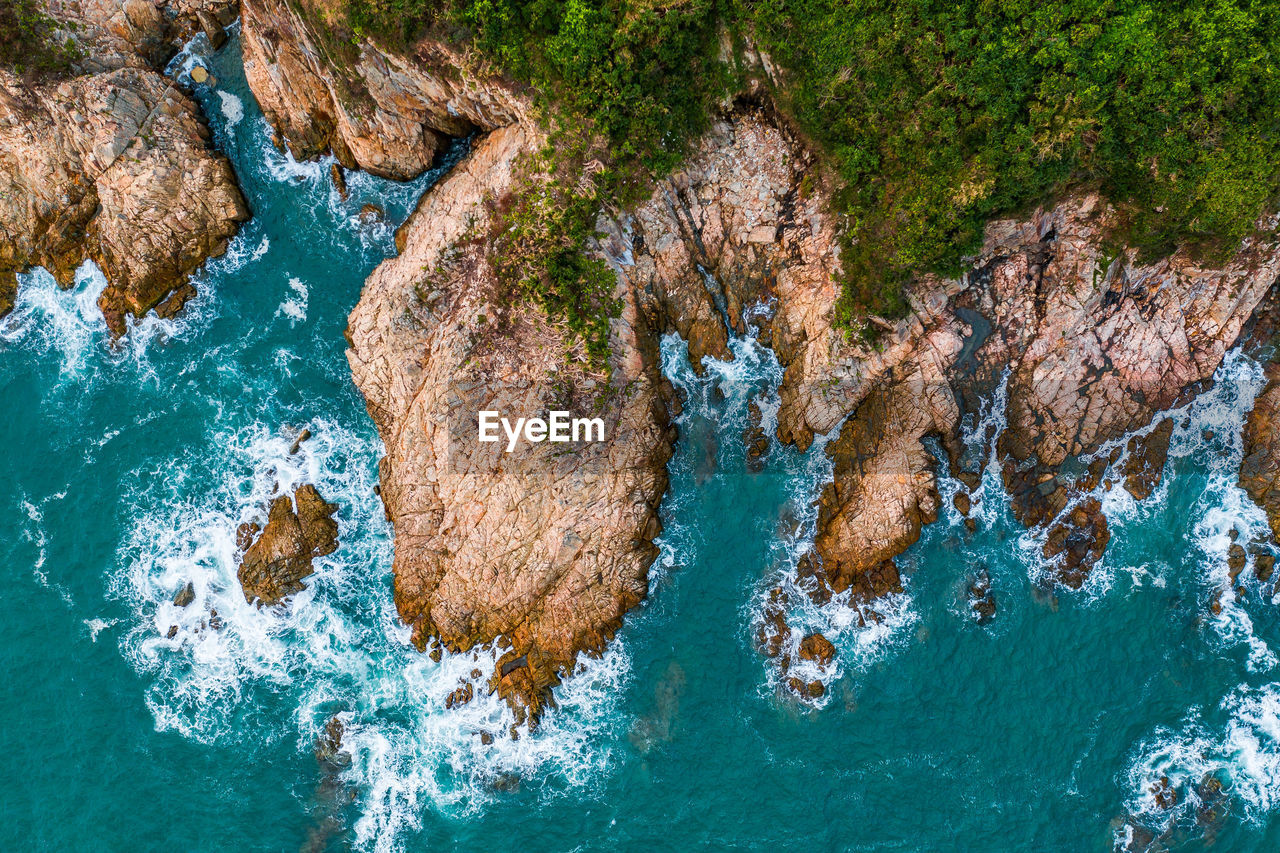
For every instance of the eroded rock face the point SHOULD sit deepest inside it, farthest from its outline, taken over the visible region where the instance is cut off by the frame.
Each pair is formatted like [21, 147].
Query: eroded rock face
[1260, 468]
[113, 164]
[543, 552]
[545, 547]
[377, 111]
[1095, 346]
[279, 557]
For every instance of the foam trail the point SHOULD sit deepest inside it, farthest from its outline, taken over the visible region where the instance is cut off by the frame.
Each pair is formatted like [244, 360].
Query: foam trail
[236, 672]
[1242, 755]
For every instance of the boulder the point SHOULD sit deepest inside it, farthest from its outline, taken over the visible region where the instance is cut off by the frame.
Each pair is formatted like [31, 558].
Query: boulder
[298, 529]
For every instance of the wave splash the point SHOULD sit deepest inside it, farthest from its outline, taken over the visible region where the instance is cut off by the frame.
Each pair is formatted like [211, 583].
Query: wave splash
[224, 670]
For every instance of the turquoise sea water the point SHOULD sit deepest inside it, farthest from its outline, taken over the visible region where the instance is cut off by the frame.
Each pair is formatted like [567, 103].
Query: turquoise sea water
[129, 466]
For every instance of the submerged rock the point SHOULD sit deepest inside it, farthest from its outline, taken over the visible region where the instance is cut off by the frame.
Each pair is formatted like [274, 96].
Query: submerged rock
[280, 555]
[982, 601]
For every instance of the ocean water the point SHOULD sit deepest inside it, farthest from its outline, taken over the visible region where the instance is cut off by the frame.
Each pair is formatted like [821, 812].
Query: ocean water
[129, 466]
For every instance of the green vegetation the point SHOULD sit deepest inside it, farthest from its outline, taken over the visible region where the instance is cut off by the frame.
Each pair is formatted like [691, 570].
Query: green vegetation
[538, 241]
[638, 76]
[28, 43]
[936, 115]
[940, 115]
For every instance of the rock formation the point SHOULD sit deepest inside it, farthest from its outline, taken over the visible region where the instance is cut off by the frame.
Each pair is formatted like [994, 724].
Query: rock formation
[1260, 468]
[324, 90]
[279, 556]
[114, 163]
[543, 551]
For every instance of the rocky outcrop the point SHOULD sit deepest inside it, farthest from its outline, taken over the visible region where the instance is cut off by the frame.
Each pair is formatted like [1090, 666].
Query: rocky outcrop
[113, 164]
[1260, 467]
[1094, 346]
[1147, 454]
[544, 548]
[323, 88]
[279, 556]
[543, 551]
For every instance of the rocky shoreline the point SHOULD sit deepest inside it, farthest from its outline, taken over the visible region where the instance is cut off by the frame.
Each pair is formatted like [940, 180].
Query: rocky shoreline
[114, 162]
[543, 552]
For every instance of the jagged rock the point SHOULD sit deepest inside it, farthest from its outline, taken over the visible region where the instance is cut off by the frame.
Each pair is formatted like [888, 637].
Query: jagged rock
[376, 110]
[755, 439]
[212, 28]
[461, 696]
[339, 180]
[817, 648]
[328, 747]
[1078, 542]
[550, 549]
[1260, 467]
[113, 164]
[982, 601]
[185, 596]
[773, 631]
[962, 503]
[1264, 566]
[1145, 465]
[8, 291]
[1166, 795]
[806, 690]
[297, 442]
[1236, 558]
[298, 530]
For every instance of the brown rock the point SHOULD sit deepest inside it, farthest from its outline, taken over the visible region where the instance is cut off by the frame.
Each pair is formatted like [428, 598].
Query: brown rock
[113, 164]
[1260, 467]
[1166, 795]
[1264, 566]
[381, 112]
[186, 595]
[212, 28]
[275, 564]
[8, 291]
[1236, 559]
[1077, 543]
[961, 502]
[1145, 465]
[339, 180]
[816, 647]
[460, 696]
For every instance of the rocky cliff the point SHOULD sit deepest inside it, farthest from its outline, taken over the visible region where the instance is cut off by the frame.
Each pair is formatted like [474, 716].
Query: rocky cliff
[542, 550]
[324, 89]
[113, 162]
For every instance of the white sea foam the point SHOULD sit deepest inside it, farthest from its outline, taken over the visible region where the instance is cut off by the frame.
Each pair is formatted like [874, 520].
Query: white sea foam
[1243, 753]
[232, 110]
[35, 534]
[97, 626]
[255, 674]
[49, 319]
[294, 305]
[862, 632]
